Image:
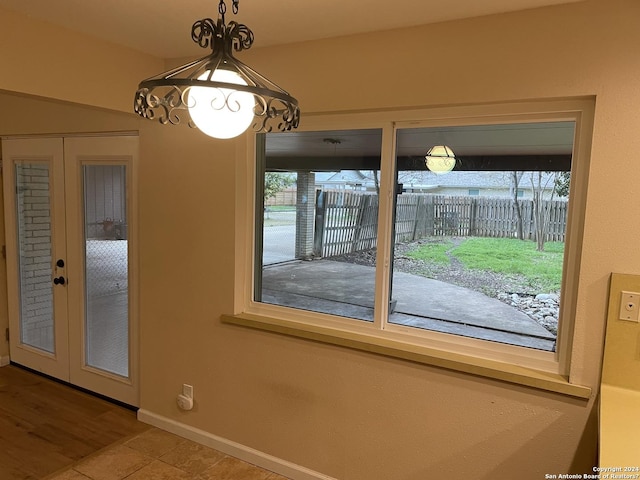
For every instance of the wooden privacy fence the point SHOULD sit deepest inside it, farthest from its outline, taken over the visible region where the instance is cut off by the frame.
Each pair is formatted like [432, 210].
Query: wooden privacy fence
[346, 222]
[286, 197]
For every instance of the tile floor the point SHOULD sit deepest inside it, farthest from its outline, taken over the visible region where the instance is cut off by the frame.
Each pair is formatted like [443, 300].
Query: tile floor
[159, 455]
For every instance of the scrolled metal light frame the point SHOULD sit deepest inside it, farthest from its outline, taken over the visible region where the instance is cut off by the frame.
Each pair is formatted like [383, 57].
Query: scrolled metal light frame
[165, 97]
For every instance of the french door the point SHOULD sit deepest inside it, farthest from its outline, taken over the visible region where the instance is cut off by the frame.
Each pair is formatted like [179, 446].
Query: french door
[70, 233]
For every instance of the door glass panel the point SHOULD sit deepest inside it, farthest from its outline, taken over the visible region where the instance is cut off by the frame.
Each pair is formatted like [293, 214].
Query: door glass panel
[33, 209]
[106, 268]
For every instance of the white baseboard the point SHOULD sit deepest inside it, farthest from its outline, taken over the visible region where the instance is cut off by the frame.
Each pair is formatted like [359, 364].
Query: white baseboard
[4, 361]
[247, 454]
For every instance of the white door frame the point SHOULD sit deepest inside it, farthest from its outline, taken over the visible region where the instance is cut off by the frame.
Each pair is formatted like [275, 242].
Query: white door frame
[66, 157]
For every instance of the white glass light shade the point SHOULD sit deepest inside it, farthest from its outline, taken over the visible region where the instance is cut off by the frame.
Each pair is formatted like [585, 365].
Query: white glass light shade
[440, 159]
[221, 112]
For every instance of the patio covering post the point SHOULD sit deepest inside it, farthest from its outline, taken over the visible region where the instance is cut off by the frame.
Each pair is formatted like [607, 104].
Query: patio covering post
[305, 213]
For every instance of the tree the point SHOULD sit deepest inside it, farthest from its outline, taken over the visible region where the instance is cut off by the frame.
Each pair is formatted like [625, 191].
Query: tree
[515, 179]
[562, 183]
[275, 182]
[541, 181]
[376, 181]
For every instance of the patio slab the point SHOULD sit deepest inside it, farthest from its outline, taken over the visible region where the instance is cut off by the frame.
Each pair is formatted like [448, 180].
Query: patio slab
[347, 289]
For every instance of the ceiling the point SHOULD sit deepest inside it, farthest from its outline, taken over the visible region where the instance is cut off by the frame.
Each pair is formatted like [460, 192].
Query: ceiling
[163, 27]
[546, 138]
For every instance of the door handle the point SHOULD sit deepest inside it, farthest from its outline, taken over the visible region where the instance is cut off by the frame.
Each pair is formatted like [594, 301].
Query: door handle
[60, 263]
[59, 281]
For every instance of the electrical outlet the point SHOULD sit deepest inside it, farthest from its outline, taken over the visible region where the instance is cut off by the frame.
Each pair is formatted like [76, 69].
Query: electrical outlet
[187, 390]
[185, 399]
[629, 306]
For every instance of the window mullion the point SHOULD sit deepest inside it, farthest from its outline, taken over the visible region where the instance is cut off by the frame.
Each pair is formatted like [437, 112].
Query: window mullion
[385, 226]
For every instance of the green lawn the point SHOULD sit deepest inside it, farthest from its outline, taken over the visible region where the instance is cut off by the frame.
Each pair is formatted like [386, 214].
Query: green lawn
[281, 208]
[500, 255]
[433, 252]
[276, 216]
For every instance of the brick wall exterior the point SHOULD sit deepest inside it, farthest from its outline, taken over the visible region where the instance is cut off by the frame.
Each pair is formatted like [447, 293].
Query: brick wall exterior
[305, 213]
[34, 236]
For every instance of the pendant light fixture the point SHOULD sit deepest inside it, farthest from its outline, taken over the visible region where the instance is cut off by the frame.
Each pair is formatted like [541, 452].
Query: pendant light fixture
[440, 159]
[218, 94]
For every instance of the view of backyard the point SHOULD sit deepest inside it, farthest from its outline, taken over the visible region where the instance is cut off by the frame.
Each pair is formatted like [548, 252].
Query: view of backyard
[507, 269]
[476, 252]
[517, 261]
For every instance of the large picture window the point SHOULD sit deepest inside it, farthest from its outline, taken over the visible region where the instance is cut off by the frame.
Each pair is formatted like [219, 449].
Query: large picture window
[357, 238]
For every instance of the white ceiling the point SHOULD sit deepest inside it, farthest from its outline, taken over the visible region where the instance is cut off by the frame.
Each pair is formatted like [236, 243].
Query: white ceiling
[547, 138]
[163, 27]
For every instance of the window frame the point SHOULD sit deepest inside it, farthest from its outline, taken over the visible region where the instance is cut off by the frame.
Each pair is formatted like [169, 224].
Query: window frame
[552, 371]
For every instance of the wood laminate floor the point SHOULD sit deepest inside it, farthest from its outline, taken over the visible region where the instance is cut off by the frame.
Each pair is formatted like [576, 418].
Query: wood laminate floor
[54, 432]
[46, 426]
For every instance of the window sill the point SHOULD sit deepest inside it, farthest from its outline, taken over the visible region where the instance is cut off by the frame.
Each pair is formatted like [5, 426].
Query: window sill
[417, 353]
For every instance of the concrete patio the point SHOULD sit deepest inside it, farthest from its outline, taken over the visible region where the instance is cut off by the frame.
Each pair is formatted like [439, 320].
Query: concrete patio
[347, 290]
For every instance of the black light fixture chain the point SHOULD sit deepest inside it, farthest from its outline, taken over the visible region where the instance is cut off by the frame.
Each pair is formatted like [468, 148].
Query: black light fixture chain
[222, 9]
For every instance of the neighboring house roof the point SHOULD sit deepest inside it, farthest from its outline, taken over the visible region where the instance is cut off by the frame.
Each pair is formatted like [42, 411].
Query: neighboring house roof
[429, 180]
[343, 177]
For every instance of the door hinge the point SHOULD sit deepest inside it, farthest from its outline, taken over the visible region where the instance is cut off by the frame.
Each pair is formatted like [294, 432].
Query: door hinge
[7, 334]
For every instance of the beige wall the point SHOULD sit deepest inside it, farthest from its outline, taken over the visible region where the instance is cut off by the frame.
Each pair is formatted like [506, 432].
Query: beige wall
[349, 414]
[358, 416]
[40, 59]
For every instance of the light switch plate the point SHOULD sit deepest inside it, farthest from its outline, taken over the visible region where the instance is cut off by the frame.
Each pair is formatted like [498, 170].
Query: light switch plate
[629, 306]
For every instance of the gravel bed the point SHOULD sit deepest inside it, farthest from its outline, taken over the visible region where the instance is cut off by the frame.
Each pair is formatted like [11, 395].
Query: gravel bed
[514, 290]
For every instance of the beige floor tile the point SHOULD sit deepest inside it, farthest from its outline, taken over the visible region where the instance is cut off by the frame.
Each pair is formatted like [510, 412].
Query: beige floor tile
[158, 470]
[230, 468]
[275, 476]
[113, 464]
[155, 442]
[69, 475]
[192, 457]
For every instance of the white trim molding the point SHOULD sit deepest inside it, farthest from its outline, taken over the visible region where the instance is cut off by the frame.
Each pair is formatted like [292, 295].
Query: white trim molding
[229, 447]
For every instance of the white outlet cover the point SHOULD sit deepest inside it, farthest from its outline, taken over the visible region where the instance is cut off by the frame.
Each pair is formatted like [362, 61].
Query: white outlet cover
[629, 306]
